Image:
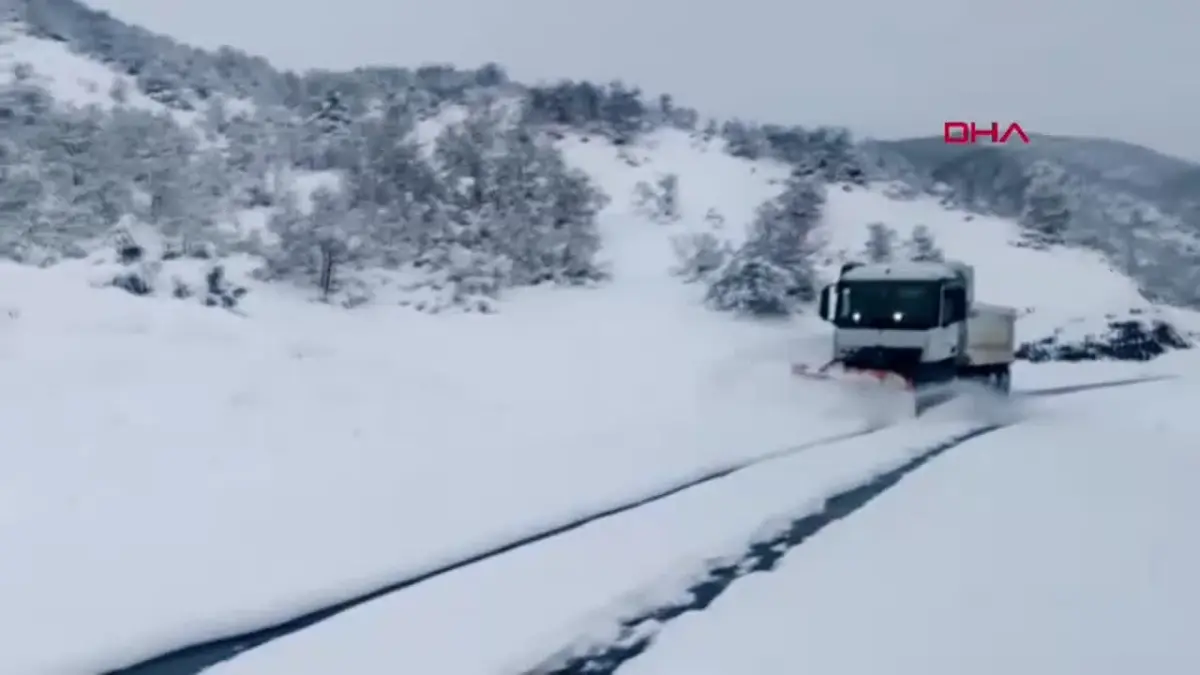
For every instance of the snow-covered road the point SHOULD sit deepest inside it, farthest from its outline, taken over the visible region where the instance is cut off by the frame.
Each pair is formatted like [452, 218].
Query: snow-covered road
[585, 583]
[193, 658]
[1063, 545]
[601, 593]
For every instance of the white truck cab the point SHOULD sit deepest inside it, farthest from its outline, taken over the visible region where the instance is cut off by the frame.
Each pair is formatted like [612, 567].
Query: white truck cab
[920, 321]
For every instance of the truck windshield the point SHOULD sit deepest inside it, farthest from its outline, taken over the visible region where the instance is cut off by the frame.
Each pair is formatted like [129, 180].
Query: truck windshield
[889, 305]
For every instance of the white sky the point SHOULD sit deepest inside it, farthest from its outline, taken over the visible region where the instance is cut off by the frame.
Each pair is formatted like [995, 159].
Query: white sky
[884, 68]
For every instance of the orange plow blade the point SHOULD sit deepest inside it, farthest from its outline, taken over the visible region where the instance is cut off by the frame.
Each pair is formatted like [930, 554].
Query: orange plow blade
[882, 396]
[837, 372]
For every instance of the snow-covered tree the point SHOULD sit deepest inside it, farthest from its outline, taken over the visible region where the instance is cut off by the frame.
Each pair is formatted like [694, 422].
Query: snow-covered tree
[668, 197]
[881, 243]
[466, 154]
[513, 195]
[921, 246]
[753, 286]
[773, 271]
[327, 132]
[827, 153]
[315, 246]
[570, 236]
[1047, 214]
[699, 255]
[744, 139]
[1128, 241]
[714, 220]
[624, 112]
[658, 202]
[645, 201]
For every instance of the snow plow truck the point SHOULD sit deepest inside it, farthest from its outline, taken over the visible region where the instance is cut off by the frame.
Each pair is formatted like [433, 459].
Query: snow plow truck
[915, 326]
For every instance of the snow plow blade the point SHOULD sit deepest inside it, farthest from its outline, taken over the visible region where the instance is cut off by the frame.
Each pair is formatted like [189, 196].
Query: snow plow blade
[839, 373]
[882, 396]
[879, 391]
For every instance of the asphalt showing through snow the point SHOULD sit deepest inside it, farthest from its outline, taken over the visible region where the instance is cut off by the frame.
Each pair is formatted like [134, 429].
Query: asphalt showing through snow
[192, 659]
[195, 658]
[637, 633]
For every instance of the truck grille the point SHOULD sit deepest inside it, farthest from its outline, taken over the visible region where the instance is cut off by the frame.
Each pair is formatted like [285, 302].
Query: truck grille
[895, 359]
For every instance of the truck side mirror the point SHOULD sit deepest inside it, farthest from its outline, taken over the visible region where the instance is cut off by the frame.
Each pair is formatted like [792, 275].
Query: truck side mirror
[826, 306]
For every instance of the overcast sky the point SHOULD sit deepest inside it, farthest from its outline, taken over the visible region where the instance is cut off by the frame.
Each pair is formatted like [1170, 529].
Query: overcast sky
[884, 68]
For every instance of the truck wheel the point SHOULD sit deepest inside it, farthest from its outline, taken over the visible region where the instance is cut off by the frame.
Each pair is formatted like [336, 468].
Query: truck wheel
[1001, 380]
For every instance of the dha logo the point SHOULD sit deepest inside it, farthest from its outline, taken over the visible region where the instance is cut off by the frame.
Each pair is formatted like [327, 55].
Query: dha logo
[967, 133]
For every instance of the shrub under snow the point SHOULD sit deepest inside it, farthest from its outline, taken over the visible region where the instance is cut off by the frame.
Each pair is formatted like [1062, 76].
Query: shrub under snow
[1133, 338]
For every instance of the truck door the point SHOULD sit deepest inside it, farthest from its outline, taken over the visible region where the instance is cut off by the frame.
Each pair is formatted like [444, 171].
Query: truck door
[954, 321]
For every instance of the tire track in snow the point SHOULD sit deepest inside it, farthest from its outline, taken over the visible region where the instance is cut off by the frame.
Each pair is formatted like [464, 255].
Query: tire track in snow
[636, 633]
[194, 658]
[1109, 384]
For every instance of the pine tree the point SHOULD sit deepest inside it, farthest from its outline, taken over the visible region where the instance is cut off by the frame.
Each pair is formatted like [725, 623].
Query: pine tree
[465, 155]
[668, 198]
[699, 255]
[1129, 243]
[921, 246]
[881, 243]
[512, 196]
[773, 270]
[1047, 213]
[658, 202]
[645, 201]
[753, 286]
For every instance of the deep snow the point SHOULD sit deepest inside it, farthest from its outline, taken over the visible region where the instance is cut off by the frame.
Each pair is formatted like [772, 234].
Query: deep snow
[175, 473]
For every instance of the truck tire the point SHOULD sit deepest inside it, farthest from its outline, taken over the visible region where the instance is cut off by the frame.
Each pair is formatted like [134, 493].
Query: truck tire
[1001, 380]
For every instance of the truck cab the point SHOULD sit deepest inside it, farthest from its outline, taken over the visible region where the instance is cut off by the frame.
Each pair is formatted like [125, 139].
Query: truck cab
[920, 321]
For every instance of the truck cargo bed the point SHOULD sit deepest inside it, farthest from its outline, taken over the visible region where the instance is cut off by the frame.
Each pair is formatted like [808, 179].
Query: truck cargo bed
[991, 335]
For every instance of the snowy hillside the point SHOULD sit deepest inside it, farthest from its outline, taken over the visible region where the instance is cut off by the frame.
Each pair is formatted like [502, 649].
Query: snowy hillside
[1057, 290]
[716, 193]
[298, 437]
[1130, 202]
[239, 193]
[177, 473]
[70, 77]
